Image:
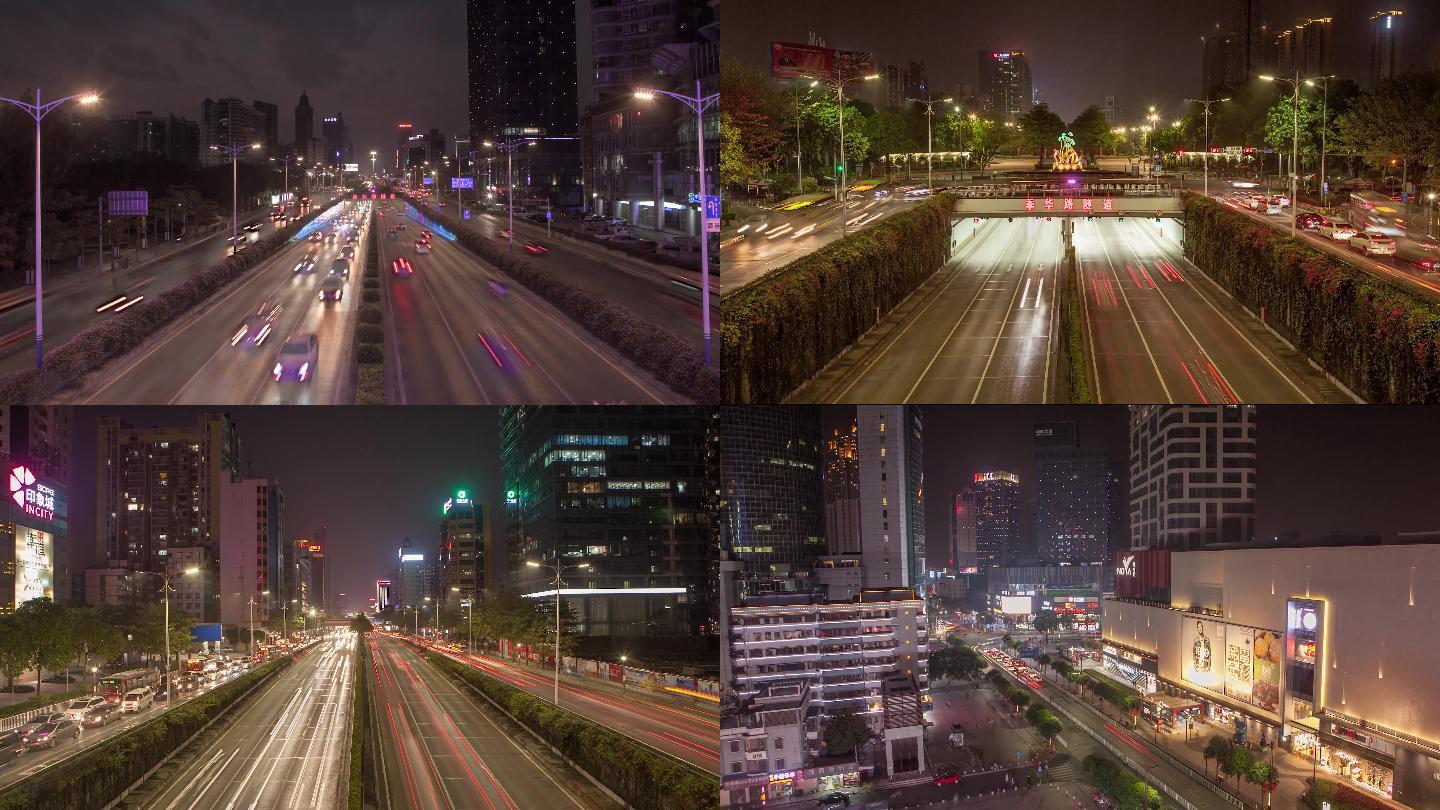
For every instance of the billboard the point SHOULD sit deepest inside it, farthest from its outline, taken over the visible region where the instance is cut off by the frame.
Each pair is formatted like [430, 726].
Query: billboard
[791, 60]
[1252, 666]
[462, 182]
[1203, 646]
[1018, 605]
[855, 62]
[352, 167]
[129, 203]
[207, 632]
[34, 564]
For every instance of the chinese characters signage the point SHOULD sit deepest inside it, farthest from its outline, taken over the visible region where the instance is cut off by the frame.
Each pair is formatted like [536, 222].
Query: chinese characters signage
[30, 495]
[34, 564]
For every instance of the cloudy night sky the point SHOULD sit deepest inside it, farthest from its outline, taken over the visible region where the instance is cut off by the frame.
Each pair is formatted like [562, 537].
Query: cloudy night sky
[1141, 51]
[1319, 469]
[372, 476]
[379, 62]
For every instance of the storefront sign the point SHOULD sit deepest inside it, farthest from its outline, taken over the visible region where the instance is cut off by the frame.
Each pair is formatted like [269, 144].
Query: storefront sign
[31, 495]
[34, 564]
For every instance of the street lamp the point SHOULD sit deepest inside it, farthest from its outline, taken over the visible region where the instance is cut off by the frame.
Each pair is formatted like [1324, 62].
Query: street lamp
[1295, 147]
[251, 603]
[38, 111]
[1206, 160]
[698, 103]
[1430, 218]
[509, 147]
[559, 568]
[838, 83]
[234, 152]
[165, 588]
[1324, 115]
[929, 149]
[285, 195]
[372, 163]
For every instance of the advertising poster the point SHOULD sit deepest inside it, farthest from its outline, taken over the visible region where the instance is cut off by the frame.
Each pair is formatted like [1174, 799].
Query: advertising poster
[34, 564]
[1203, 651]
[790, 60]
[1239, 667]
[855, 62]
[1265, 655]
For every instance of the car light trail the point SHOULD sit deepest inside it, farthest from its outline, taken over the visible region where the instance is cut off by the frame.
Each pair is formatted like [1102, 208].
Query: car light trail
[515, 348]
[493, 355]
[110, 304]
[132, 302]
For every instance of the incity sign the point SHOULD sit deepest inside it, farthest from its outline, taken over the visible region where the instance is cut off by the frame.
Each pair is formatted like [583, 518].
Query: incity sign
[32, 496]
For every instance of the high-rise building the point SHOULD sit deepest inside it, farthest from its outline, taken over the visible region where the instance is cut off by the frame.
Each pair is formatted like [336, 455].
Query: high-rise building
[772, 489]
[229, 122]
[1192, 476]
[1222, 61]
[627, 491]
[34, 541]
[270, 117]
[1073, 496]
[1005, 86]
[1387, 56]
[251, 511]
[413, 575]
[997, 517]
[892, 505]
[195, 595]
[319, 576]
[640, 156]
[383, 597]
[916, 83]
[337, 139]
[38, 436]
[842, 492]
[304, 128]
[522, 84]
[962, 552]
[145, 133]
[160, 487]
[460, 558]
[296, 579]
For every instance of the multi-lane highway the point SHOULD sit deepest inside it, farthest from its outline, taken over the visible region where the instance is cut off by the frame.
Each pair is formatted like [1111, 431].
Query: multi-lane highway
[461, 332]
[676, 726]
[438, 749]
[983, 329]
[289, 746]
[782, 236]
[194, 361]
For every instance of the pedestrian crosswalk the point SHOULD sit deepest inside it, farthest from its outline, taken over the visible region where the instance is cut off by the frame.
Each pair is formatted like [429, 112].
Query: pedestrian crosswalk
[1067, 771]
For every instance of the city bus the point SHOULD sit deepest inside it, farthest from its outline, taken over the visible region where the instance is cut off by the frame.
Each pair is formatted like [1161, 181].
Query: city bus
[1373, 211]
[114, 687]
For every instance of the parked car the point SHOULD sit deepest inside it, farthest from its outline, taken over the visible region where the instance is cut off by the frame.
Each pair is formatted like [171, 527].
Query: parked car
[831, 800]
[1373, 243]
[947, 776]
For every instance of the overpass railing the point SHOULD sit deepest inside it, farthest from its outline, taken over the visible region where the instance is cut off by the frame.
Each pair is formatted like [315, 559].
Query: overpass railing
[1023, 190]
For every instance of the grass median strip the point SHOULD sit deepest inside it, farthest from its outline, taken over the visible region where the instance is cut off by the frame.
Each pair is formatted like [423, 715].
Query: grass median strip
[643, 778]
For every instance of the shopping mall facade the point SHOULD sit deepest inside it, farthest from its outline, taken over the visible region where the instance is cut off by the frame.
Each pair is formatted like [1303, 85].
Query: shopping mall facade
[1334, 651]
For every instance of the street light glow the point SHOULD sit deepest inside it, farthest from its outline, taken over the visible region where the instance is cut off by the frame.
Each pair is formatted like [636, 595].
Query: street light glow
[89, 98]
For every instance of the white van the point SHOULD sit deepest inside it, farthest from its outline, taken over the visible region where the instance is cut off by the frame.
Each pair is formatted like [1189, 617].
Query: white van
[137, 700]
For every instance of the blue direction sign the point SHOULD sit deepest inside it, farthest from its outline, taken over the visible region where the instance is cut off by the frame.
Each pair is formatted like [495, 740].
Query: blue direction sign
[712, 213]
[130, 203]
[467, 214]
[425, 181]
[462, 182]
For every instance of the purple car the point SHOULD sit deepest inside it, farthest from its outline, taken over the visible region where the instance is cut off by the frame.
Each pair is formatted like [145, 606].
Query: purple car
[297, 358]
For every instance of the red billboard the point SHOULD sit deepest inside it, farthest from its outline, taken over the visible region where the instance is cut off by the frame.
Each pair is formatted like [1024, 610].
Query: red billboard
[1143, 574]
[791, 60]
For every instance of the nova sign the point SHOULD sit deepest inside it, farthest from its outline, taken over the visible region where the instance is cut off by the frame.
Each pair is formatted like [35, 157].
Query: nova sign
[29, 494]
[1126, 568]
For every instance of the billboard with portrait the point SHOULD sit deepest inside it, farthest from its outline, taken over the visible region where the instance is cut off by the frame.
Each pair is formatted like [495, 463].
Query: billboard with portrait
[791, 60]
[34, 564]
[1203, 652]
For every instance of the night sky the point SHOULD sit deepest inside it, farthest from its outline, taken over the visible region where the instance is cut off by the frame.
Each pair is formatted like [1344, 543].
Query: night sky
[1320, 468]
[379, 62]
[1141, 51]
[372, 476]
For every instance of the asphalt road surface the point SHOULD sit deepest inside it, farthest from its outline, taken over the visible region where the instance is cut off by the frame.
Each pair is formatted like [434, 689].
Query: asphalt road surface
[194, 363]
[461, 332]
[675, 726]
[983, 329]
[289, 746]
[439, 750]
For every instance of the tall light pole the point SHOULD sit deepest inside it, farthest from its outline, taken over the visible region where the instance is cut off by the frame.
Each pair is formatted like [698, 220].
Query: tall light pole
[372, 163]
[838, 82]
[1206, 160]
[1430, 218]
[459, 199]
[698, 103]
[929, 149]
[1324, 122]
[38, 111]
[559, 568]
[234, 153]
[509, 147]
[165, 588]
[1295, 147]
[285, 195]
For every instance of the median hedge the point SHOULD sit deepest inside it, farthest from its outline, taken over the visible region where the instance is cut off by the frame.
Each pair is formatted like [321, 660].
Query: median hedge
[1077, 370]
[781, 329]
[644, 779]
[99, 774]
[1123, 787]
[1378, 338]
[118, 334]
[370, 334]
[362, 757]
[676, 363]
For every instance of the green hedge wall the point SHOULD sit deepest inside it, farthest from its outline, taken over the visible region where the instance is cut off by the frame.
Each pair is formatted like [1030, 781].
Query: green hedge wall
[1377, 338]
[643, 779]
[98, 775]
[362, 762]
[1126, 789]
[778, 331]
[370, 333]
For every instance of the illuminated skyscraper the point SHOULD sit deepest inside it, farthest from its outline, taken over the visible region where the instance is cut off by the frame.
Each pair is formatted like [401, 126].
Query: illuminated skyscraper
[1005, 86]
[892, 502]
[997, 517]
[842, 492]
